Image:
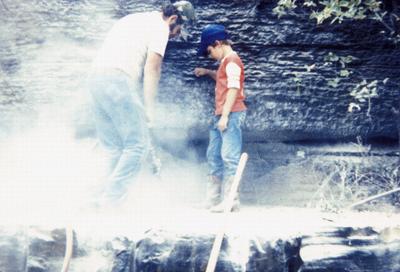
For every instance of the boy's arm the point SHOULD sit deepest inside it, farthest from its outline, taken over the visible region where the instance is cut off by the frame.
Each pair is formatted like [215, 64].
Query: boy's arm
[205, 72]
[226, 109]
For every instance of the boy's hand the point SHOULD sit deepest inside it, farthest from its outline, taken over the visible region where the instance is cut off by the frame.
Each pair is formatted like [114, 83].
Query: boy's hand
[222, 123]
[200, 72]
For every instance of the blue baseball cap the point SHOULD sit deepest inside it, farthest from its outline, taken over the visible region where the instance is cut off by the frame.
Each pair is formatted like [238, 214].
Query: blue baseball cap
[210, 34]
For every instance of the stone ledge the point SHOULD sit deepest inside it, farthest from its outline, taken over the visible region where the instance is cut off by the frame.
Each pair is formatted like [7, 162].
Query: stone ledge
[257, 239]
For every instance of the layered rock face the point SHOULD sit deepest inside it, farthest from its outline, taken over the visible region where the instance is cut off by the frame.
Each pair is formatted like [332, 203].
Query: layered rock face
[287, 74]
[293, 91]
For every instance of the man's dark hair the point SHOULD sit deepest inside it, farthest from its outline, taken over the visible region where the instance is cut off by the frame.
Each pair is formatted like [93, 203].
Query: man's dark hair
[168, 10]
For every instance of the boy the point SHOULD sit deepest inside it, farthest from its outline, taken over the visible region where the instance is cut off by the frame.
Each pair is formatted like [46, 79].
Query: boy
[225, 143]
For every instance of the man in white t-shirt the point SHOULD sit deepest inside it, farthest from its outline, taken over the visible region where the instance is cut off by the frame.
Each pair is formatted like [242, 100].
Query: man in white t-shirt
[132, 50]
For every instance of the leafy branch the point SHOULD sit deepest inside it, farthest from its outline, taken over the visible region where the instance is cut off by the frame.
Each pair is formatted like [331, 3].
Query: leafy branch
[341, 10]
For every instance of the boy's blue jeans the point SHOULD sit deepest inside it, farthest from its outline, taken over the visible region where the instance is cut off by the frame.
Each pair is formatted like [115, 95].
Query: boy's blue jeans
[224, 148]
[121, 128]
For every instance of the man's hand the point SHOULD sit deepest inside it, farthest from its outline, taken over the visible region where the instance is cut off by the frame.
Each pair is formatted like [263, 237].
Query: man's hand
[222, 123]
[200, 71]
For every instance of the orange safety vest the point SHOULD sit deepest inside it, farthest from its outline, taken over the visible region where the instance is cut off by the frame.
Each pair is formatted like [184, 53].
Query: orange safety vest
[221, 87]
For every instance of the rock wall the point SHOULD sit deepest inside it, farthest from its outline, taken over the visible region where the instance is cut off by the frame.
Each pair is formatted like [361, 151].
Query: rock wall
[286, 101]
[44, 62]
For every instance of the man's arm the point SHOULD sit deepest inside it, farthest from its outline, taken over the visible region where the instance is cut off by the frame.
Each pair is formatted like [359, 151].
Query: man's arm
[205, 72]
[226, 109]
[152, 72]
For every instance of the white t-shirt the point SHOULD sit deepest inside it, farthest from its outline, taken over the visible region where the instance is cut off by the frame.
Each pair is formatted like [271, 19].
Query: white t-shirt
[128, 42]
[233, 73]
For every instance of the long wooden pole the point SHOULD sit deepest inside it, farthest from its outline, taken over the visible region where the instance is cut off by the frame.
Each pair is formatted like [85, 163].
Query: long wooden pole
[373, 197]
[69, 240]
[212, 262]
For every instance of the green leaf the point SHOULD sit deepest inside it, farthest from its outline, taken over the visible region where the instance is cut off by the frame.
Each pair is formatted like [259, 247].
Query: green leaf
[309, 3]
[309, 68]
[347, 59]
[353, 106]
[373, 84]
[334, 82]
[296, 79]
[331, 57]
[344, 73]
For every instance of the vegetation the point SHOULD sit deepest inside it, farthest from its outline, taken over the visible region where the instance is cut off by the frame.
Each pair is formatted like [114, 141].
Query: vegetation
[349, 181]
[341, 10]
[353, 178]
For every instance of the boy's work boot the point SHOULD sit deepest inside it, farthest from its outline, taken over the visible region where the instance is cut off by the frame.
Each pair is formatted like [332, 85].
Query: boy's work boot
[213, 192]
[227, 189]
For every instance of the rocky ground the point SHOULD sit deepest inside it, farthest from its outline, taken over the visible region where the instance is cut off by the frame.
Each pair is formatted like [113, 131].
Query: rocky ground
[171, 239]
[160, 226]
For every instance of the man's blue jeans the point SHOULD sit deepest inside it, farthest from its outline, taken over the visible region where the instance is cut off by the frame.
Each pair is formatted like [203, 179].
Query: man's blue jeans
[121, 128]
[224, 148]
